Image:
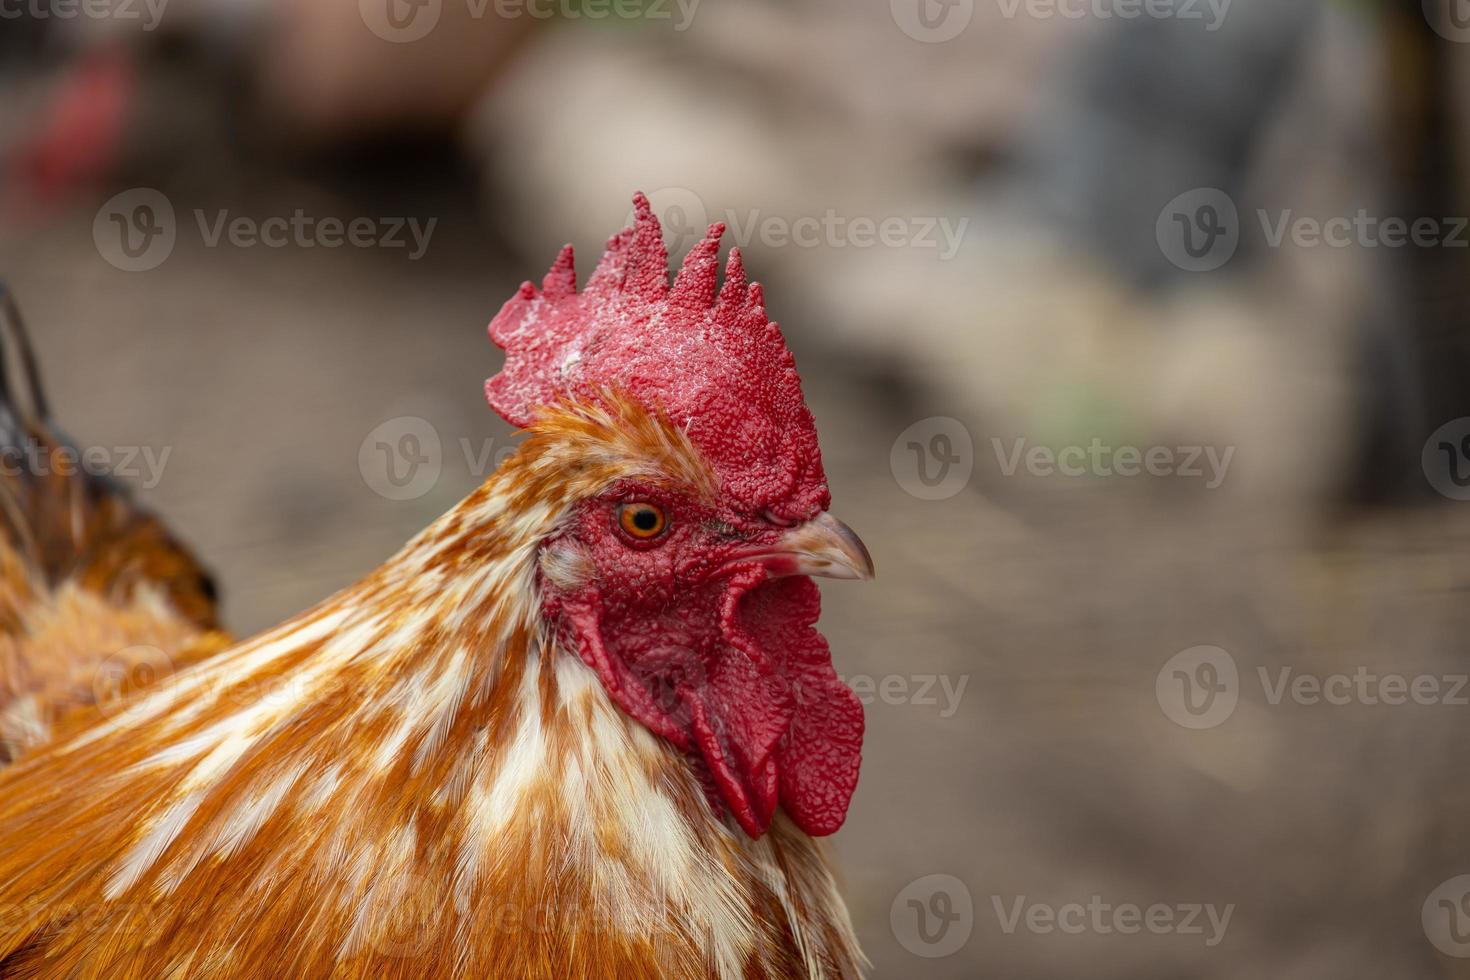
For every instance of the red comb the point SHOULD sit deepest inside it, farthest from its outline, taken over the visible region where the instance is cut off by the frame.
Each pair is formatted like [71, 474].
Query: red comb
[713, 364]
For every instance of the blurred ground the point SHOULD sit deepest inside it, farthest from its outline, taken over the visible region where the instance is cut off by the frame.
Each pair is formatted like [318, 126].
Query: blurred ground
[1016, 646]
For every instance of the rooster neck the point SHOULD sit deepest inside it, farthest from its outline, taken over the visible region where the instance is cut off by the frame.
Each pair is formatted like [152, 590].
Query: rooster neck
[412, 774]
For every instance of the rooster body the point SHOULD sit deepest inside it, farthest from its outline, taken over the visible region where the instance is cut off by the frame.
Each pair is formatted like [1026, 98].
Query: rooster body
[505, 753]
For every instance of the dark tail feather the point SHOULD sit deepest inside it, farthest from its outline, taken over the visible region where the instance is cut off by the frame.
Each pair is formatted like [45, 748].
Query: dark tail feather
[68, 524]
[68, 533]
[20, 378]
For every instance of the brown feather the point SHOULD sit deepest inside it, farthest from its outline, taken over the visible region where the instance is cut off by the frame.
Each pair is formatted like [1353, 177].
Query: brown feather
[96, 597]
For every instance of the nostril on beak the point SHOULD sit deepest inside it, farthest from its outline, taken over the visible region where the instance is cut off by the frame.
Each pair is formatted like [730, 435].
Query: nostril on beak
[826, 547]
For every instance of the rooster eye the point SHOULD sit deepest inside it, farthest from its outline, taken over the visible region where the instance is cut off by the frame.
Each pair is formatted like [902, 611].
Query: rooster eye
[641, 520]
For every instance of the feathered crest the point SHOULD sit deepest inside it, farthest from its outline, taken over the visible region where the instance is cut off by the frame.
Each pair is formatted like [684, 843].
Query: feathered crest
[711, 361]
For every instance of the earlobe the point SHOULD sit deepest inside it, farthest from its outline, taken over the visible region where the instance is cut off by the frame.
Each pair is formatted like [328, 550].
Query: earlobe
[566, 565]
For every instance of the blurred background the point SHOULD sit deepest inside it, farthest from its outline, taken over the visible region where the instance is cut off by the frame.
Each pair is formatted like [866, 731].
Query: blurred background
[1135, 331]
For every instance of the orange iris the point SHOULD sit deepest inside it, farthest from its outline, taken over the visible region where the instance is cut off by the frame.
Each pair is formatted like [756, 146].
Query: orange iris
[641, 520]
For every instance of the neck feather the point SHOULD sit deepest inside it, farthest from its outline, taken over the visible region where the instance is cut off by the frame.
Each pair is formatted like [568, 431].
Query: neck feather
[415, 762]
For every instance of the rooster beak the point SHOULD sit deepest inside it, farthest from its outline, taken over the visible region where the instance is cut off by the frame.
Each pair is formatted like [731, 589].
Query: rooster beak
[823, 547]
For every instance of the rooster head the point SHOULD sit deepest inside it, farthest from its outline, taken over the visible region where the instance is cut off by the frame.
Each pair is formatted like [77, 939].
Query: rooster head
[685, 581]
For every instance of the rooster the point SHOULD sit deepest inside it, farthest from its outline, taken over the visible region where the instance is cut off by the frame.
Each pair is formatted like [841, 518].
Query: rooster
[581, 726]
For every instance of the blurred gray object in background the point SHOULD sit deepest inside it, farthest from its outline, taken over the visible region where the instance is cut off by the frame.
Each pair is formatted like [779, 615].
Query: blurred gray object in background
[1154, 108]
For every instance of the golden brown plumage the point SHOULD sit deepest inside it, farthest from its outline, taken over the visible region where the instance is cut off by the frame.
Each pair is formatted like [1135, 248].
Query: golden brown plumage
[515, 750]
